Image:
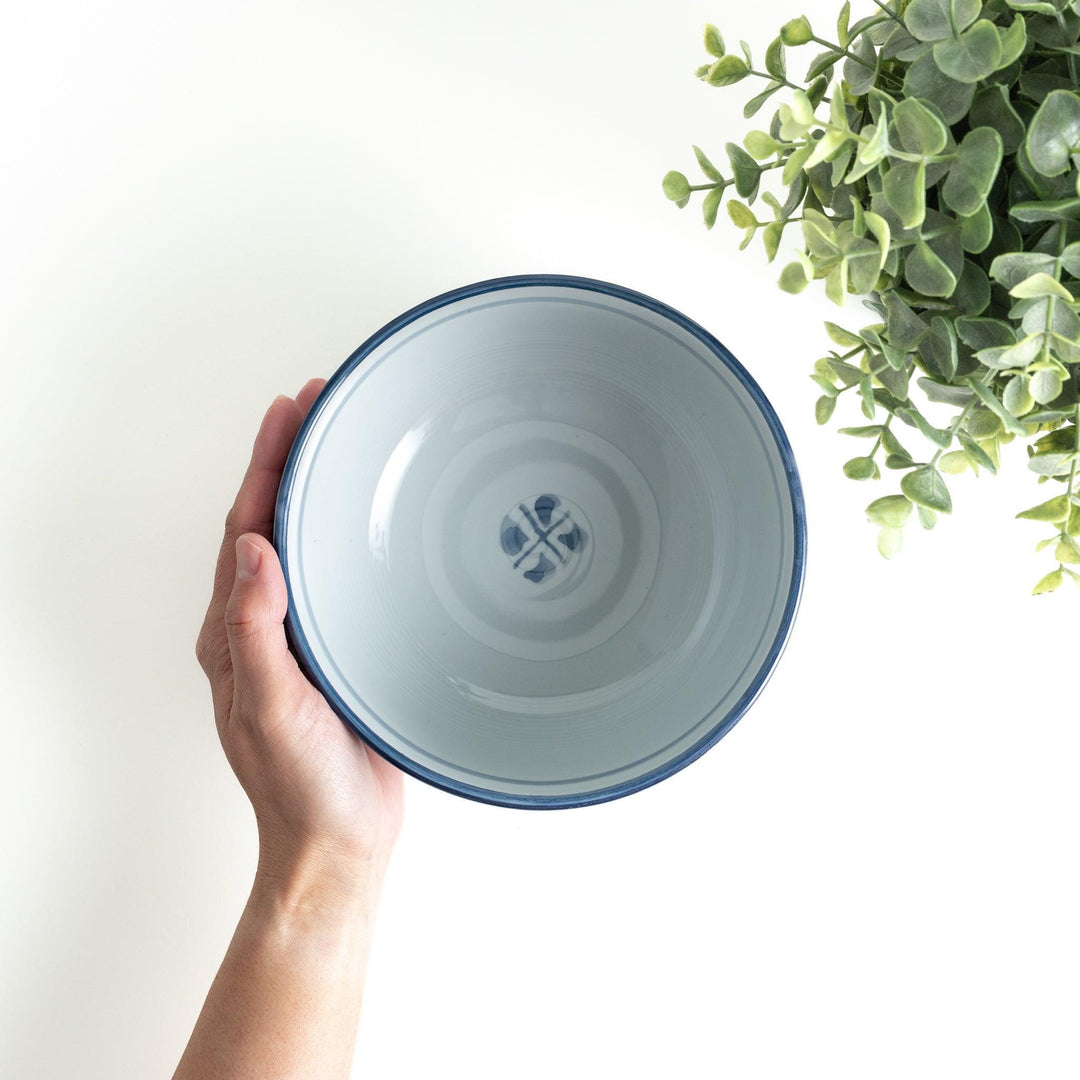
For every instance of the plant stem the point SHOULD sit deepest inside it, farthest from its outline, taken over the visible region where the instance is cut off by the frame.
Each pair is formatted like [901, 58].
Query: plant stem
[1064, 533]
[888, 11]
[844, 52]
[773, 78]
[858, 59]
[960, 417]
[1070, 57]
[1048, 322]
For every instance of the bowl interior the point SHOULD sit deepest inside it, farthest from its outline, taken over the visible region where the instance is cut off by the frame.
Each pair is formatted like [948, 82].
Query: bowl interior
[541, 542]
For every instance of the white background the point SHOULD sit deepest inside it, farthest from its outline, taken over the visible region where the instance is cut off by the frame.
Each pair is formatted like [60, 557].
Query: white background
[873, 875]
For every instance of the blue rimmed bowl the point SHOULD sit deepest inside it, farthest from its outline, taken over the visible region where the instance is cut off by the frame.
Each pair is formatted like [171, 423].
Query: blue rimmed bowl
[544, 541]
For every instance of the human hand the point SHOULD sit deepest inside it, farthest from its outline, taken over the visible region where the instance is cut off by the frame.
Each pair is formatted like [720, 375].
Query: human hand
[327, 806]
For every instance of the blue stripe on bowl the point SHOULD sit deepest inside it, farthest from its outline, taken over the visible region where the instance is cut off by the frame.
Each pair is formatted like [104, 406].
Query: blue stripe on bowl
[301, 649]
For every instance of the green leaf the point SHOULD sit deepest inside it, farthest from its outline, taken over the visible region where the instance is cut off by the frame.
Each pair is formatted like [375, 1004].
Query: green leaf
[972, 174]
[938, 436]
[882, 233]
[992, 108]
[860, 74]
[760, 145]
[1048, 583]
[848, 374]
[1017, 266]
[844, 338]
[924, 79]
[927, 273]
[925, 487]
[974, 55]
[1040, 284]
[954, 463]
[1059, 32]
[904, 327]
[1073, 526]
[934, 20]
[866, 393]
[916, 129]
[972, 290]
[770, 237]
[753, 106]
[707, 167]
[889, 542]
[861, 468]
[868, 431]
[710, 205]
[1054, 134]
[822, 63]
[942, 392]
[746, 169]
[676, 186]
[1039, 6]
[825, 385]
[823, 408]
[978, 333]
[793, 278]
[1017, 396]
[990, 400]
[714, 43]
[983, 423]
[842, 24]
[741, 214]
[1060, 439]
[774, 60]
[1070, 259]
[796, 32]
[1067, 551]
[905, 191]
[1045, 386]
[1019, 355]
[890, 511]
[727, 70]
[792, 171]
[1055, 510]
[836, 283]
[1052, 210]
[1051, 464]
[977, 230]
[942, 345]
[975, 452]
[927, 517]
[1013, 39]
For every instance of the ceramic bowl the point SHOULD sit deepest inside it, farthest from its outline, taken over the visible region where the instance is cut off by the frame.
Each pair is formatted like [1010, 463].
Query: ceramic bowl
[544, 541]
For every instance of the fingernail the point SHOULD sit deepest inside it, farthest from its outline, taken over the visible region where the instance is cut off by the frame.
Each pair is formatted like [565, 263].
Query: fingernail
[248, 557]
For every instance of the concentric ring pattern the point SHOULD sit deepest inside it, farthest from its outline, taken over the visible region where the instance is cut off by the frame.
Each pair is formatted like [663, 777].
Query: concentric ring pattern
[544, 541]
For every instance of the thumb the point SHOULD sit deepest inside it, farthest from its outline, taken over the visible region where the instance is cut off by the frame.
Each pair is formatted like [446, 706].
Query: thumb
[264, 671]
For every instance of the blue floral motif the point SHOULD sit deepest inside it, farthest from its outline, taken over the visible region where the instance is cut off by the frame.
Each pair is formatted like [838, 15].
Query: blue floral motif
[543, 521]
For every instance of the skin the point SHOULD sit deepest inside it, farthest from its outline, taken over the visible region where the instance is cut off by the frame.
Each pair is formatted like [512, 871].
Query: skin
[286, 999]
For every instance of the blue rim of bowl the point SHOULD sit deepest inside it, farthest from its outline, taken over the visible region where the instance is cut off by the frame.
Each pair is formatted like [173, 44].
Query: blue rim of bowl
[302, 651]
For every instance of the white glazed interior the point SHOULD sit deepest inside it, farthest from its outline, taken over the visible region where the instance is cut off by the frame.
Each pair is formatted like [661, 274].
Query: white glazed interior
[618, 661]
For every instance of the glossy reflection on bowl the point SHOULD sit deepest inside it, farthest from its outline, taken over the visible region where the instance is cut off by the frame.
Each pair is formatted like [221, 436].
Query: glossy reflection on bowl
[544, 541]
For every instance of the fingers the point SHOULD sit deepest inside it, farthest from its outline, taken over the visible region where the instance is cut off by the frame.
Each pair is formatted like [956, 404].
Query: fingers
[266, 679]
[308, 393]
[253, 508]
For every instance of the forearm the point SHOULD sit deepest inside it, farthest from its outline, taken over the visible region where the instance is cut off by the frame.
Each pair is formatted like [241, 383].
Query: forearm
[286, 999]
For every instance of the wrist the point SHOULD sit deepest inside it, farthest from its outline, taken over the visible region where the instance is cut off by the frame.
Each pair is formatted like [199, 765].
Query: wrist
[309, 881]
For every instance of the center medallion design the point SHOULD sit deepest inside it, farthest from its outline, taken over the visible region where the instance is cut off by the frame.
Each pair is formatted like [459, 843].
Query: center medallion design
[542, 538]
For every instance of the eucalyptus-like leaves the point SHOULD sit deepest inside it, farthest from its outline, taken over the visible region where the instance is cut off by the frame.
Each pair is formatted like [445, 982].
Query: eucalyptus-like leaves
[928, 161]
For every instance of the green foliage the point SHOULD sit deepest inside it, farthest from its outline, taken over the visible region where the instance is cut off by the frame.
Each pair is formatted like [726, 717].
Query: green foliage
[928, 161]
